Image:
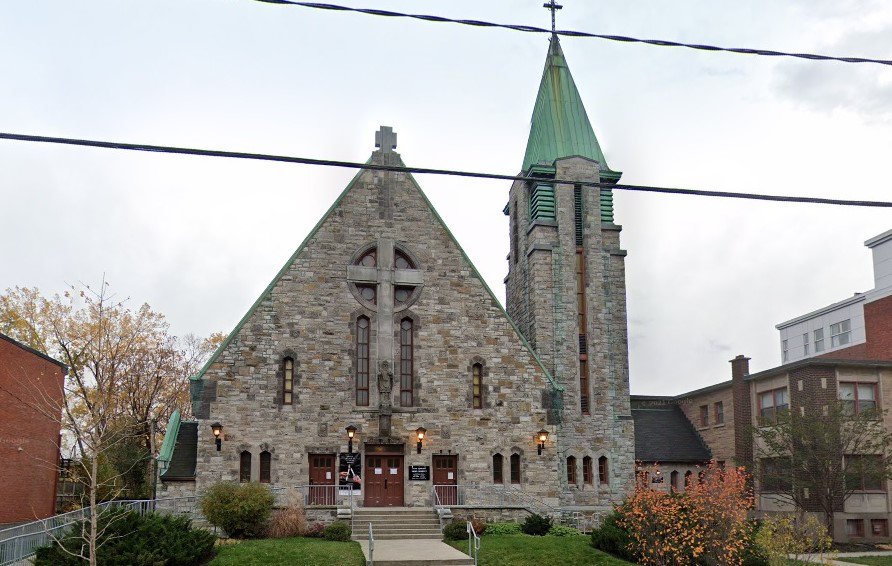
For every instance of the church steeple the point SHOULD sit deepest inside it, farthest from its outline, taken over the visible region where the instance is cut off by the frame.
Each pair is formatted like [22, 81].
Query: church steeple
[560, 126]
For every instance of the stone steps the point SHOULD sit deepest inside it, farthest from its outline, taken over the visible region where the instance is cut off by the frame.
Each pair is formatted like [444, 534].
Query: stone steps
[397, 523]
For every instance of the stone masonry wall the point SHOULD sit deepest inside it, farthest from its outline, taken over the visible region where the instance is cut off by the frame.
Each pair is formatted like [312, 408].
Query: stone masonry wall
[310, 314]
[718, 436]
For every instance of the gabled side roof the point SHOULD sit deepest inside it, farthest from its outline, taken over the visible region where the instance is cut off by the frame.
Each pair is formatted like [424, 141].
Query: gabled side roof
[474, 272]
[35, 352]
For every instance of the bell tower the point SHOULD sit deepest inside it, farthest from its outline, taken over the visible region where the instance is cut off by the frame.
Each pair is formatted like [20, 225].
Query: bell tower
[566, 287]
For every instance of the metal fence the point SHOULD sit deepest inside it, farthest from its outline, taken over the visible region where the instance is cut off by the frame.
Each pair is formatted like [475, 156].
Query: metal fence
[19, 542]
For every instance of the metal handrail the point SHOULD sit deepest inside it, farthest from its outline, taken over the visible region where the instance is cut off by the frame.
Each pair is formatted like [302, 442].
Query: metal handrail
[473, 543]
[371, 561]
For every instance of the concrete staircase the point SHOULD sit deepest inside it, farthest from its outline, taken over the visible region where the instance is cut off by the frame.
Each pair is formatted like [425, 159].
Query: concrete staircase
[393, 523]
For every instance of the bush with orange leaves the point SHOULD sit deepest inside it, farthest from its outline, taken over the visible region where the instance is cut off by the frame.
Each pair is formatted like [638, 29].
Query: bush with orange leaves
[706, 524]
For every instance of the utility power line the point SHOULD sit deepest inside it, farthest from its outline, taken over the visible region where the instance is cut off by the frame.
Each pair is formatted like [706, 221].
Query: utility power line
[429, 171]
[570, 33]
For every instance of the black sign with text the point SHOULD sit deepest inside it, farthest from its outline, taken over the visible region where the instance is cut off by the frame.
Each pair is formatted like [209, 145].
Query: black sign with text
[419, 473]
[350, 471]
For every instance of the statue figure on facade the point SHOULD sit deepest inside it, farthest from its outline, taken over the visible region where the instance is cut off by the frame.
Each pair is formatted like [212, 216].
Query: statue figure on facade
[385, 385]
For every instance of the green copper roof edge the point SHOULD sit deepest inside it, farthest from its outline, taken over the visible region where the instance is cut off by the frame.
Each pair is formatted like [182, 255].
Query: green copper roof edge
[231, 336]
[170, 438]
[476, 274]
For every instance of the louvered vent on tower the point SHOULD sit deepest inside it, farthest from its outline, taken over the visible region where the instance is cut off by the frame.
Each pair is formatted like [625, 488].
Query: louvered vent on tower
[542, 202]
[577, 215]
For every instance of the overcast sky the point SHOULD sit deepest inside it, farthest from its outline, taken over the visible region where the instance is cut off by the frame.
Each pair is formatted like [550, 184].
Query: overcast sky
[200, 238]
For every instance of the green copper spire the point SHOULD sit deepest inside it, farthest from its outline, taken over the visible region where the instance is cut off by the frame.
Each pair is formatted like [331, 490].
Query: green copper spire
[560, 126]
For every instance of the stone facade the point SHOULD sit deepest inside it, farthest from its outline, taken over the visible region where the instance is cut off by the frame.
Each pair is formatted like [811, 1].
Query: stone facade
[719, 436]
[542, 298]
[309, 313]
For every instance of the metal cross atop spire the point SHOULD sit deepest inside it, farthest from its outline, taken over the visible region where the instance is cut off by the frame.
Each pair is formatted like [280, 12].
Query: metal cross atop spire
[553, 7]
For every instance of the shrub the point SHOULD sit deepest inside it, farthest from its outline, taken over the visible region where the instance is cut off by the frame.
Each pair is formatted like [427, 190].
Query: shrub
[130, 539]
[337, 531]
[241, 510]
[612, 538]
[562, 531]
[479, 526]
[536, 525]
[287, 522]
[456, 531]
[503, 529]
[780, 537]
[316, 530]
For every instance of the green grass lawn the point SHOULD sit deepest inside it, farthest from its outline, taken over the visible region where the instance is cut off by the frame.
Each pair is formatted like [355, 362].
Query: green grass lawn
[303, 551]
[873, 560]
[526, 550]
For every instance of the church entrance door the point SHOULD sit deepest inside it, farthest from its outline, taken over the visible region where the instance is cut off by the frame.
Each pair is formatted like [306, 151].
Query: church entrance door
[446, 478]
[384, 481]
[323, 488]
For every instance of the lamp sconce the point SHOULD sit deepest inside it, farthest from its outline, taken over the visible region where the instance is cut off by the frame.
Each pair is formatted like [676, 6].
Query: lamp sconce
[351, 432]
[419, 433]
[541, 437]
[218, 434]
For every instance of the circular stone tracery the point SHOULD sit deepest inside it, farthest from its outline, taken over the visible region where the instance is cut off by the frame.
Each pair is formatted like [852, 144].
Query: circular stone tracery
[366, 288]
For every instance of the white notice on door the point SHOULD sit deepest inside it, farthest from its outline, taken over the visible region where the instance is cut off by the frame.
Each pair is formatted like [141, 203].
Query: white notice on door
[377, 471]
[449, 476]
[393, 471]
[328, 475]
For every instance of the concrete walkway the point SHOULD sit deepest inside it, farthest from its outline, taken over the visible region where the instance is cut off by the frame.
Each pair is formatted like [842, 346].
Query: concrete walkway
[839, 558]
[415, 552]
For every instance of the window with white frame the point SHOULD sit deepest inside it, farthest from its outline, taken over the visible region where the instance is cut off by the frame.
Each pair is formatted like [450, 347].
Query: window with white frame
[819, 340]
[805, 344]
[840, 333]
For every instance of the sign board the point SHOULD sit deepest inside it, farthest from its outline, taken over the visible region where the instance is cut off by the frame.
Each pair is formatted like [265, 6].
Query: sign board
[419, 473]
[350, 472]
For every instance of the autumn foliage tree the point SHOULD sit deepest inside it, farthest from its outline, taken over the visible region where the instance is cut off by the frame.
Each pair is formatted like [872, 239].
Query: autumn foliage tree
[706, 524]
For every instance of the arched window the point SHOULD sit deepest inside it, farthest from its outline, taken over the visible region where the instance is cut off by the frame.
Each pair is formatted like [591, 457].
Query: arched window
[265, 466]
[362, 361]
[497, 476]
[571, 470]
[673, 481]
[687, 478]
[603, 471]
[515, 468]
[477, 383]
[406, 362]
[244, 472]
[287, 381]
[587, 473]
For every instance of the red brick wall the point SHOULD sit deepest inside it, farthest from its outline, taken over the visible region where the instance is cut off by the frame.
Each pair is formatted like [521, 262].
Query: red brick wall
[30, 386]
[878, 331]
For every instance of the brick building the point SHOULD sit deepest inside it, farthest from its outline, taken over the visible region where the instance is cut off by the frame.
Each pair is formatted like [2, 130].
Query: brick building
[380, 325]
[31, 389]
[841, 352]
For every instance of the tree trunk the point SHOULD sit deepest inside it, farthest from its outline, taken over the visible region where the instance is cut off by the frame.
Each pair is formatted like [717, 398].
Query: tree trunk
[94, 516]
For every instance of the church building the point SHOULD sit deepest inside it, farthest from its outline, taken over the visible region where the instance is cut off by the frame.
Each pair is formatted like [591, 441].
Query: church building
[378, 369]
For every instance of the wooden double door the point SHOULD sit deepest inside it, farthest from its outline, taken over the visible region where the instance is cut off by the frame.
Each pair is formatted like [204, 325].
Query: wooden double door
[323, 484]
[446, 478]
[384, 480]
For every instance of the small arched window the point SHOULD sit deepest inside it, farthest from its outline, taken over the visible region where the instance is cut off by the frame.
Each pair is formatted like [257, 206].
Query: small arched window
[362, 361]
[287, 381]
[603, 470]
[571, 470]
[497, 475]
[406, 363]
[244, 473]
[587, 473]
[265, 466]
[673, 481]
[687, 478]
[477, 384]
[515, 468]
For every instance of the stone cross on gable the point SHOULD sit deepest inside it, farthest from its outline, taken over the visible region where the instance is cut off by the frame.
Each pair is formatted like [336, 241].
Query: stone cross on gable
[385, 139]
[386, 276]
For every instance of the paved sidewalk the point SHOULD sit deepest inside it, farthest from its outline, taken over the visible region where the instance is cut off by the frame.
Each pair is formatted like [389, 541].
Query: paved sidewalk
[839, 559]
[415, 551]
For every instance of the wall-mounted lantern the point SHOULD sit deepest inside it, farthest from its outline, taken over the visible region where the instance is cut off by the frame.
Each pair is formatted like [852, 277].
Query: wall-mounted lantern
[541, 437]
[419, 432]
[351, 432]
[218, 434]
